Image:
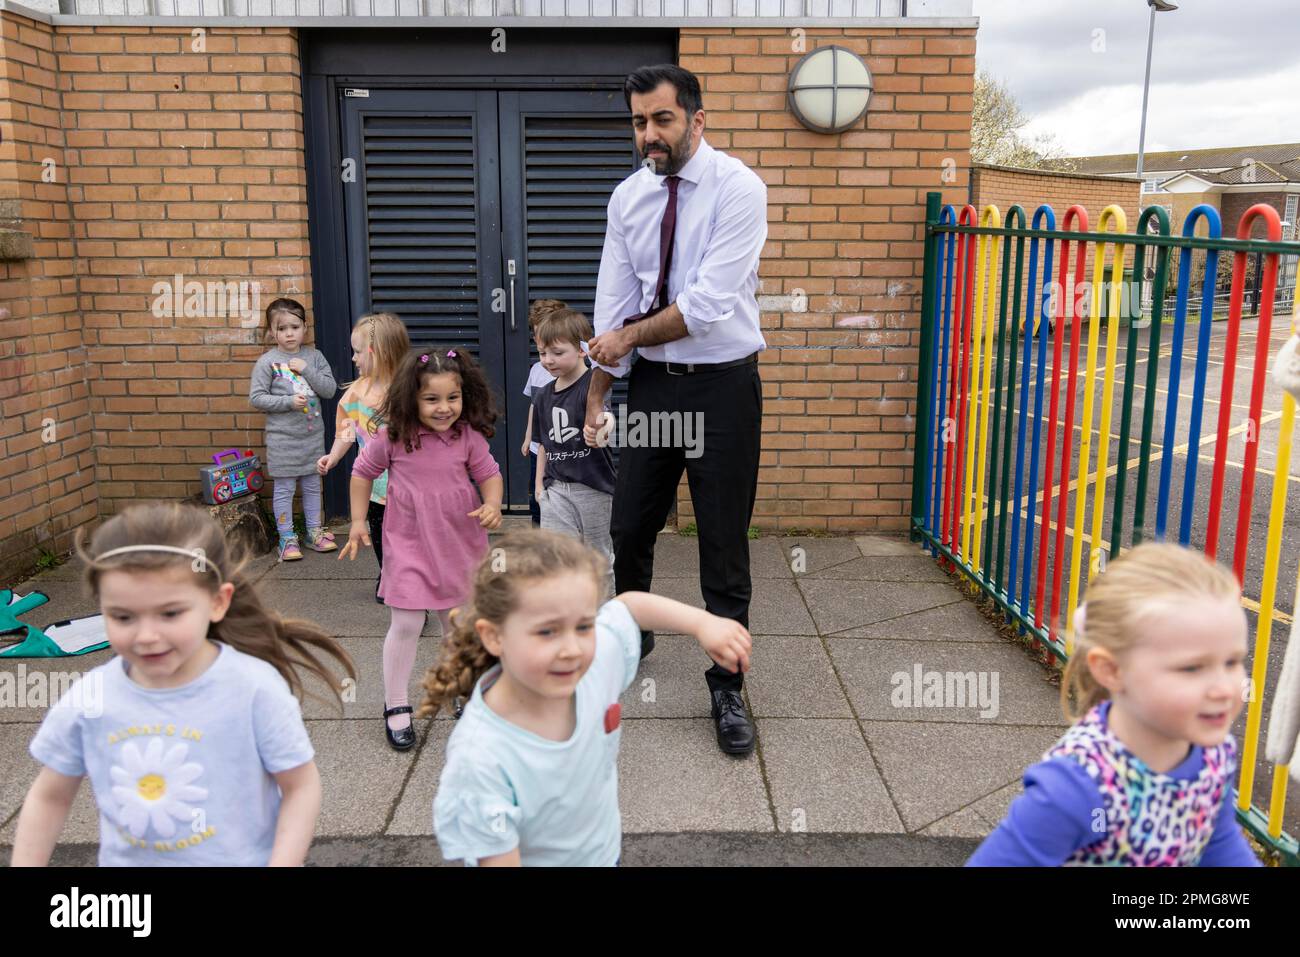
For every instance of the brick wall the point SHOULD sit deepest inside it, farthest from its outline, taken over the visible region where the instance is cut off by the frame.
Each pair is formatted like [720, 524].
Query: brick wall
[1184, 203]
[846, 227]
[1005, 186]
[184, 162]
[47, 486]
[1232, 206]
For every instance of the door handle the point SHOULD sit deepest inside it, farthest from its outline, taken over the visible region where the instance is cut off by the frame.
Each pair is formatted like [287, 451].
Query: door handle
[510, 269]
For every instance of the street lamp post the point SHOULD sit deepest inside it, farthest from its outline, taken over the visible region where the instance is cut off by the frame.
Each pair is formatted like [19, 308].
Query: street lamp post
[1157, 6]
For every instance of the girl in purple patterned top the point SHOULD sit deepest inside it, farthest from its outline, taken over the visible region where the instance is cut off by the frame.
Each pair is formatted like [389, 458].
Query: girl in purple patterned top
[1144, 777]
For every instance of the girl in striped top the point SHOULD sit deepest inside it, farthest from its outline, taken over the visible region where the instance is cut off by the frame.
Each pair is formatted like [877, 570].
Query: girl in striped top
[379, 343]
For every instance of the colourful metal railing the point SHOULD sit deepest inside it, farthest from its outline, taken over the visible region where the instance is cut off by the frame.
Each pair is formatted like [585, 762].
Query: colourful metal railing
[987, 318]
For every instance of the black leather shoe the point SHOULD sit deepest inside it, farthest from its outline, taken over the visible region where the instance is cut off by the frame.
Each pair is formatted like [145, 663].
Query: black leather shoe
[647, 643]
[402, 740]
[735, 730]
[378, 600]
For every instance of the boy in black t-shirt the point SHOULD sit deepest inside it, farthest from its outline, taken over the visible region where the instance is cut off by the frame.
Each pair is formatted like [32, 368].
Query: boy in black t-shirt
[575, 482]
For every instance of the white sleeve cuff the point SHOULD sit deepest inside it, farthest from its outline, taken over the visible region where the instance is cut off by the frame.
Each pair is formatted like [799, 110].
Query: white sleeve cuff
[696, 324]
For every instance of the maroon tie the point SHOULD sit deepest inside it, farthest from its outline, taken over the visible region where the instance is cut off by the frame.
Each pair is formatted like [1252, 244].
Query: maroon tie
[667, 227]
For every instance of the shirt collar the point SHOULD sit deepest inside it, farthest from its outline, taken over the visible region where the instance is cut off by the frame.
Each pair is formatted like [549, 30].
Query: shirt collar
[694, 169]
[448, 437]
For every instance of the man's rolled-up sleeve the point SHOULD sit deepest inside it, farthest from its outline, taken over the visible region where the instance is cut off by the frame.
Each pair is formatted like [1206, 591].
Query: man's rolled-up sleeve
[618, 289]
[730, 257]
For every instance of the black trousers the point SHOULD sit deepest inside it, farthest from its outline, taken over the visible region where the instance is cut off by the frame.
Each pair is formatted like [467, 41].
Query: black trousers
[375, 519]
[534, 508]
[723, 480]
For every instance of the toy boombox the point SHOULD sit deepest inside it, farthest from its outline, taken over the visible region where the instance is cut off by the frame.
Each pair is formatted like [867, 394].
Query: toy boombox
[222, 482]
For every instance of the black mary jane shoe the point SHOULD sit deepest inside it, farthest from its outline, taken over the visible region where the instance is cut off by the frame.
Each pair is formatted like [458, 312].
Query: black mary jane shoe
[402, 740]
[647, 643]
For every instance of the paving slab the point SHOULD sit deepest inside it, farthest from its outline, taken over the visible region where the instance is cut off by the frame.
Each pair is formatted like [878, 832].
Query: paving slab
[809, 555]
[413, 813]
[343, 606]
[672, 778]
[887, 545]
[670, 682]
[67, 571]
[776, 606]
[360, 774]
[823, 777]
[978, 819]
[18, 770]
[328, 564]
[883, 684]
[959, 620]
[769, 558]
[677, 556]
[38, 683]
[837, 607]
[791, 677]
[894, 568]
[933, 770]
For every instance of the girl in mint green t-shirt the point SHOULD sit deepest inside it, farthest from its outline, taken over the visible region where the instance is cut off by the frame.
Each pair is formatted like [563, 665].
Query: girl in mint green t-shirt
[530, 776]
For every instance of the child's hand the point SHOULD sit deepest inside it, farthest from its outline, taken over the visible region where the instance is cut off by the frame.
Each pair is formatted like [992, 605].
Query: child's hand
[725, 641]
[524, 450]
[322, 465]
[357, 533]
[297, 365]
[300, 401]
[489, 516]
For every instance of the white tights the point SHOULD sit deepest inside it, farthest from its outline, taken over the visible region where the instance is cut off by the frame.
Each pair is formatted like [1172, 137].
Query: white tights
[400, 645]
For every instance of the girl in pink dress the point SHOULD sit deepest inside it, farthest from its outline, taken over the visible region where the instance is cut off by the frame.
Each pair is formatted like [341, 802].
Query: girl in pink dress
[439, 414]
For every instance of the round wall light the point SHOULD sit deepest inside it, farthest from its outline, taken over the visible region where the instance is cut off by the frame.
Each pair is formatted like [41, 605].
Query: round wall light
[829, 89]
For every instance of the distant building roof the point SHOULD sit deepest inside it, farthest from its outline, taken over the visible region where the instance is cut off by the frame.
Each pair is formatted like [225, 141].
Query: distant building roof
[1288, 172]
[1220, 158]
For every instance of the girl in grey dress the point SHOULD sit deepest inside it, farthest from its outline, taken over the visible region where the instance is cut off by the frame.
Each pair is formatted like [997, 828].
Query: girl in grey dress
[288, 384]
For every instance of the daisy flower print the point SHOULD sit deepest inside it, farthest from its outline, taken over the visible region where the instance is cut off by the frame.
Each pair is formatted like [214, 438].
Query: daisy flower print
[155, 789]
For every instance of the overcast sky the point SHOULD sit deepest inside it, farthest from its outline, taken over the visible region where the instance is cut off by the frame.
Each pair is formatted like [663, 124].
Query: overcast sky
[1223, 72]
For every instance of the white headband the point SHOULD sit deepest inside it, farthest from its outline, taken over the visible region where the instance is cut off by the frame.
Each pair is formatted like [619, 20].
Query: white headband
[200, 559]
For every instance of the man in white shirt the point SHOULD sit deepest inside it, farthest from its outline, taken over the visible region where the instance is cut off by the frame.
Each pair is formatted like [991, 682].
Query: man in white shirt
[677, 284]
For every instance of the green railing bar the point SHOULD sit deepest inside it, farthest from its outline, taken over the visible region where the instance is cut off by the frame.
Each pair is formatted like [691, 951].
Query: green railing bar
[1014, 211]
[1149, 406]
[1286, 248]
[1255, 821]
[1130, 361]
[929, 279]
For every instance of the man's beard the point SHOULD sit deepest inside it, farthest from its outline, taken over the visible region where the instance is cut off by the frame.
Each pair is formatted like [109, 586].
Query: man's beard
[672, 163]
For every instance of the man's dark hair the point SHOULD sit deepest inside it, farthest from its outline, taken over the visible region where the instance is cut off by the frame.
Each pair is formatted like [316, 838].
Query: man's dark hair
[687, 84]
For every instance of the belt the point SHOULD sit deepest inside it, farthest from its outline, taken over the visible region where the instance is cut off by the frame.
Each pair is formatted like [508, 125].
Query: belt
[687, 368]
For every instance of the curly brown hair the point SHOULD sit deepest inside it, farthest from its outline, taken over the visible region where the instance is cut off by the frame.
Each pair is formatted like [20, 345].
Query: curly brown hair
[520, 558]
[401, 406]
[289, 644]
[541, 308]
